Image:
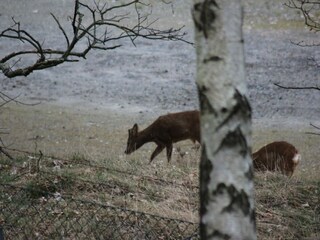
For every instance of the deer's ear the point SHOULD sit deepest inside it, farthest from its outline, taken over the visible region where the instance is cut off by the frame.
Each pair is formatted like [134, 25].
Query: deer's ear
[135, 129]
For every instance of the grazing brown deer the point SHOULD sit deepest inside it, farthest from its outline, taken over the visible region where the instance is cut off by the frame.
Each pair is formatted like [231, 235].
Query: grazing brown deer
[277, 156]
[165, 131]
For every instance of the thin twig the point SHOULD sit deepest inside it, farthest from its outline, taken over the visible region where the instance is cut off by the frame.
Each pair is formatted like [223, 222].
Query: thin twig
[6, 153]
[297, 88]
[314, 126]
[312, 133]
[8, 99]
[62, 30]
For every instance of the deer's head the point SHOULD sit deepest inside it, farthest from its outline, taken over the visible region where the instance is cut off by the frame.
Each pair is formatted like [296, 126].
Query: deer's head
[132, 139]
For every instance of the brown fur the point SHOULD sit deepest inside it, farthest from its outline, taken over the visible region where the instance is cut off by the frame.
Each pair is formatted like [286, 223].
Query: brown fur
[276, 156]
[165, 131]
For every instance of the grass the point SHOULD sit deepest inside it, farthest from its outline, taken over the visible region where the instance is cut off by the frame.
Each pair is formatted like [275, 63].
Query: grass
[279, 24]
[91, 166]
[287, 208]
[83, 179]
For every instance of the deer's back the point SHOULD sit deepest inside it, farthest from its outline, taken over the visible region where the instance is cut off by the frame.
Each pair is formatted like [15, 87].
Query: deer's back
[280, 156]
[179, 126]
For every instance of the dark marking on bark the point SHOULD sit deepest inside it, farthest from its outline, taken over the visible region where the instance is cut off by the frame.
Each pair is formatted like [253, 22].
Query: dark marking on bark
[239, 200]
[242, 99]
[241, 109]
[197, 11]
[253, 218]
[224, 110]
[204, 16]
[249, 173]
[212, 59]
[218, 234]
[203, 88]
[205, 170]
[197, 7]
[215, 3]
[235, 139]
[205, 104]
[208, 16]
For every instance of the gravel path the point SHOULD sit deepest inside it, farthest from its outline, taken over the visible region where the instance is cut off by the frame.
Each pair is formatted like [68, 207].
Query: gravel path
[159, 76]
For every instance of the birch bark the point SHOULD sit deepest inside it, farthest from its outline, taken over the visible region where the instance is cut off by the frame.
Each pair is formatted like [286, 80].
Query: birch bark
[226, 174]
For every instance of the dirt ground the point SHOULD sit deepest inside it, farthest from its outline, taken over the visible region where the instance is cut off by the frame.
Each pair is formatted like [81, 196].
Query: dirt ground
[88, 106]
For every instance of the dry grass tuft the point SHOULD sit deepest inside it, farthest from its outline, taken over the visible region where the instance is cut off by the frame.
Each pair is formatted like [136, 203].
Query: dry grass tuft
[287, 208]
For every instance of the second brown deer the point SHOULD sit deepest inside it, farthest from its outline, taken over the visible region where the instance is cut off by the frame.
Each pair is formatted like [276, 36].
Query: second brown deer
[165, 131]
[277, 156]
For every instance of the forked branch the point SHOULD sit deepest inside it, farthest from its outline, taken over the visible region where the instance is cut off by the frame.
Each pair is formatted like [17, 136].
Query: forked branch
[100, 26]
[310, 12]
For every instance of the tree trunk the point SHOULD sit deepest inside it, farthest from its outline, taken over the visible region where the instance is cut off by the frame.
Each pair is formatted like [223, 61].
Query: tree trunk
[226, 175]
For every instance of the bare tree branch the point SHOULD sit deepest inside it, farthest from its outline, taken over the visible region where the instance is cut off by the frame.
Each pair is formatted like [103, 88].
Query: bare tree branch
[310, 13]
[314, 126]
[61, 28]
[99, 25]
[297, 88]
[6, 153]
[7, 99]
[313, 133]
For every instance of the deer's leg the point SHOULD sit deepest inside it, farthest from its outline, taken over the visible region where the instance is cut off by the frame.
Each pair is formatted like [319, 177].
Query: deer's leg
[169, 151]
[155, 153]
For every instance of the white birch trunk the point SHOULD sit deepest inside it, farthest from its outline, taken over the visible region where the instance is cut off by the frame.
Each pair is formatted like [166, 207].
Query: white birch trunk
[226, 175]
